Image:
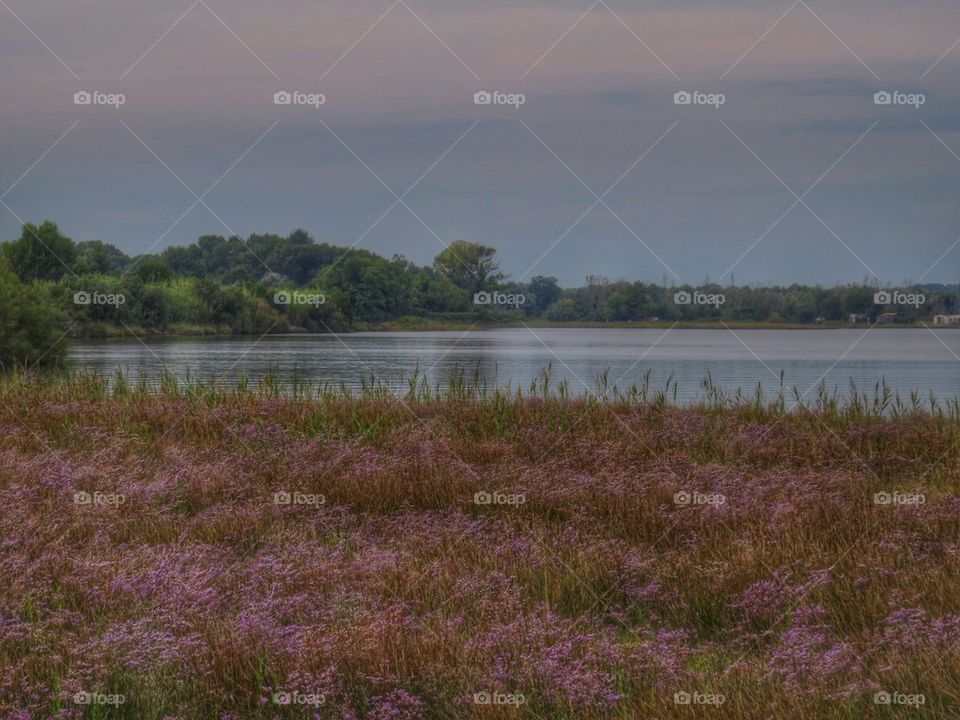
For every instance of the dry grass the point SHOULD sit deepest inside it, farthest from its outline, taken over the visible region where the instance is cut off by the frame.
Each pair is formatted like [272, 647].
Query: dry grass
[392, 593]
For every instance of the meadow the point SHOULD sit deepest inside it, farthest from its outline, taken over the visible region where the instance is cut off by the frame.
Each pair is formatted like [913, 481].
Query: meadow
[193, 552]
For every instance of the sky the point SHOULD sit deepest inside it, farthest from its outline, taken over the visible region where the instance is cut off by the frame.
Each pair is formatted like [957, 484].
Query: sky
[784, 169]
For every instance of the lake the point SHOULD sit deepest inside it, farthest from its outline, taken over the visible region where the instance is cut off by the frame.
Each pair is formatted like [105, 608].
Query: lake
[908, 359]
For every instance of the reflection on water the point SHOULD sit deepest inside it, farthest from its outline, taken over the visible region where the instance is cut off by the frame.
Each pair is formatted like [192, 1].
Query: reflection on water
[908, 360]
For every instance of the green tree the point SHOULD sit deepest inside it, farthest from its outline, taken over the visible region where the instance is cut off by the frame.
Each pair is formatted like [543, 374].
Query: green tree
[546, 291]
[151, 268]
[367, 287]
[434, 292]
[598, 288]
[858, 299]
[96, 256]
[29, 327]
[470, 266]
[626, 301]
[41, 253]
[563, 310]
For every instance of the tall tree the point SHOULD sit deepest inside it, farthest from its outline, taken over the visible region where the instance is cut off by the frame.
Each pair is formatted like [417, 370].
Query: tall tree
[598, 287]
[468, 265]
[367, 287]
[41, 253]
[546, 291]
[96, 256]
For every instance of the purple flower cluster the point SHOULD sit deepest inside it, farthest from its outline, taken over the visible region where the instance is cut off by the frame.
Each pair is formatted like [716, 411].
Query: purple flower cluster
[400, 597]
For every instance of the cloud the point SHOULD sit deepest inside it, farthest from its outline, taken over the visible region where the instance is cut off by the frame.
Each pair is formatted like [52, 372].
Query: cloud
[399, 90]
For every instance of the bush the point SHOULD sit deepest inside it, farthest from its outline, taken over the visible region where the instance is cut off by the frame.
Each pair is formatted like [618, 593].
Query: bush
[562, 311]
[30, 328]
[183, 302]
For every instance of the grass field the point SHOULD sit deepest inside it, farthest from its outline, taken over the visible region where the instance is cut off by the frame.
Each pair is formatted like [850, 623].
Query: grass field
[193, 553]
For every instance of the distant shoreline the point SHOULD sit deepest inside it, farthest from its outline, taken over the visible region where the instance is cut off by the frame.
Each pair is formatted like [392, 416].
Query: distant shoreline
[640, 325]
[110, 332]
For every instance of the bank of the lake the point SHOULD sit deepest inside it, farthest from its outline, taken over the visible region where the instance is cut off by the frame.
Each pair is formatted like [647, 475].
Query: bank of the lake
[419, 324]
[685, 362]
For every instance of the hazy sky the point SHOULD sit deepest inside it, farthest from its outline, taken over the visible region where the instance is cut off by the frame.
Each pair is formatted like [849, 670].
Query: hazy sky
[798, 177]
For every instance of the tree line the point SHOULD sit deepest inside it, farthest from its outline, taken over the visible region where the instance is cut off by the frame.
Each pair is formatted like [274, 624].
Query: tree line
[52, 288]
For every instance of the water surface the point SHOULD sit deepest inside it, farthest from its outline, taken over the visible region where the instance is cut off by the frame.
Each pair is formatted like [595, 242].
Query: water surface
[908, 360]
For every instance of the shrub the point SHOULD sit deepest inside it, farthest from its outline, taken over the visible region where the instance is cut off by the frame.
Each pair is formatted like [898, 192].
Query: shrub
[30, 329]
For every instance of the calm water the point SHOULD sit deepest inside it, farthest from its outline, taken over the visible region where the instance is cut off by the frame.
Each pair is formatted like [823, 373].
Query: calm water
[906, 359]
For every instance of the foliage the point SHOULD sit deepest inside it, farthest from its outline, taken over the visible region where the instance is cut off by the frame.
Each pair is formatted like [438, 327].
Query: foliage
[30, 328]
[367, 287]
[41, 253]
[545, 290]
[228, 284]
[470, 266]
[96, 256]
[562, 310]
